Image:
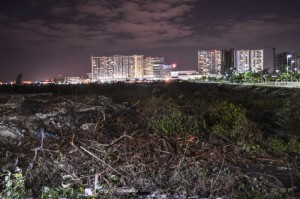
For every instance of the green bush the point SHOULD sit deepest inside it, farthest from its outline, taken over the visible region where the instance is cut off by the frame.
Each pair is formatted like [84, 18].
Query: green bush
[13, 185]
[226, 119]
[293, 145]
[289, 115]
[176, 123]
[66, 191]
[279, 145]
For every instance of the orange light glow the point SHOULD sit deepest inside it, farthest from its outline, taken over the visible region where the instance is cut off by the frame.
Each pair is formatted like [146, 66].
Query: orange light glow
[27, 82]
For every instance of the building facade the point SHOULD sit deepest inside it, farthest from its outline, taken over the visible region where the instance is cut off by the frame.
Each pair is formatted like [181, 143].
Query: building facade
[117, 67]
[256, 60]
[101, 68]
[249, 60]
[282, 60]
[209, 62]
[226, 61]
[153, 67]
[242, 61]
[126, 67]
[138, 66]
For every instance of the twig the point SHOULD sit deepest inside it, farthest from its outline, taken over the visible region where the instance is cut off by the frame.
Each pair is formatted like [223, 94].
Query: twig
[291, 176]
[264, 174]
[35, 153]
[180, 162]
[97, 124]
[134, 105]
[62, 166]
[96, 182]
[76, 149]
[123, 136]
[212, 185]
[164, 151]
[100, 160]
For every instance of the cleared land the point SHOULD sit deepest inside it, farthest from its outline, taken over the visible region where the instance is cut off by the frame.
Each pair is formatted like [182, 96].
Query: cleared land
[137, 140]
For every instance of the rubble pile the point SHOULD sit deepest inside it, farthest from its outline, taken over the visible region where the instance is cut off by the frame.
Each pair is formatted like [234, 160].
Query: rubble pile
[27, 115]
[105, 147]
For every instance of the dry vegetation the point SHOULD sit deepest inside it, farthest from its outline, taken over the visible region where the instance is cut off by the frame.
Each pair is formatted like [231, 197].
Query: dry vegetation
[141, 141]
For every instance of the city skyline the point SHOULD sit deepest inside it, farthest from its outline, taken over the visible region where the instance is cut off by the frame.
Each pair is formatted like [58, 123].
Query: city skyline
[45, 39]
[225, 61]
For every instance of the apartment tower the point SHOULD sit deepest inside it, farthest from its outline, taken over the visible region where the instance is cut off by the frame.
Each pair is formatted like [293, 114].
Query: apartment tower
[209, 62]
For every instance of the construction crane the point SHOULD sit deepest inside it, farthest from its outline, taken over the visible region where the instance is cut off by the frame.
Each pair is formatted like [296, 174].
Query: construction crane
[274, 57]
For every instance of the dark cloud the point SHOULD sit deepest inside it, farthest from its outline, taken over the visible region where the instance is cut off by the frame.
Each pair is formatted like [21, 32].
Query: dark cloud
[146, 23]
[140, 22]
[64, 35]
[3, 17]
[245, 32]
[60, 11]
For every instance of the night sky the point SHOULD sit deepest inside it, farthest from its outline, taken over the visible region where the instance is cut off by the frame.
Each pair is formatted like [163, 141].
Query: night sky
[45, 38]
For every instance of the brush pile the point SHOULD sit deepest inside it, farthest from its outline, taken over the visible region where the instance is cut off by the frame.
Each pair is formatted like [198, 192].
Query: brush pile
[79, 147]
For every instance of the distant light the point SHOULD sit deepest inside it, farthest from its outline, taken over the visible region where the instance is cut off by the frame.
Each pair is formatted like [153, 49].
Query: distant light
[173, 65]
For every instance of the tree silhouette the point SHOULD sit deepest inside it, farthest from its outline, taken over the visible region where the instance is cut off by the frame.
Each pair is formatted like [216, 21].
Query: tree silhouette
[19, 79]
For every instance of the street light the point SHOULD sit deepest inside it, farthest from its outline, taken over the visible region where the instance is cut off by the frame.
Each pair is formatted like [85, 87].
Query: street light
[287, 67]
[292, 69]
[230, 74]
[296, 69]
[226, 77]
[277, 71]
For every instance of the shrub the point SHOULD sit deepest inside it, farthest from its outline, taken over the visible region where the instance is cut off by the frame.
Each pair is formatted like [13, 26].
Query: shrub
[293, 145]
[279, 145]
[289, 115]
[225, 119]
[13, 185]
[176, 123]
[65, 191]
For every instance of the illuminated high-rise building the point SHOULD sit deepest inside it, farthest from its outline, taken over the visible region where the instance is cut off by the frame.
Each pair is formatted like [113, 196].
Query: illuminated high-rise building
[249, 60]
[256, 60]
[138, 65]
[226, 61]
[117, 66]
[209, 62]
[242, 61]
[153, 67]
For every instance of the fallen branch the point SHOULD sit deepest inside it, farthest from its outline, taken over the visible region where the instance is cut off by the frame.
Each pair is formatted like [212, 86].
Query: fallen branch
[101, 160]
[214, 182]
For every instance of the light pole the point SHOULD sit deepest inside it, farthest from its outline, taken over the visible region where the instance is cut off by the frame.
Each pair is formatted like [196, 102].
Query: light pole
[296, 69]
[277, 71]
[230, 73]
[292, 69]
[287, 67]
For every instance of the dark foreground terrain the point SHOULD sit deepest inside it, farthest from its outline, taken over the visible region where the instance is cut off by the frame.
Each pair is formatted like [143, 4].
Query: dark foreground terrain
[176, 140]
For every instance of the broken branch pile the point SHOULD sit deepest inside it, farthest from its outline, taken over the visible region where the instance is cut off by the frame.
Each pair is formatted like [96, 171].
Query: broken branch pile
[104, 147]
